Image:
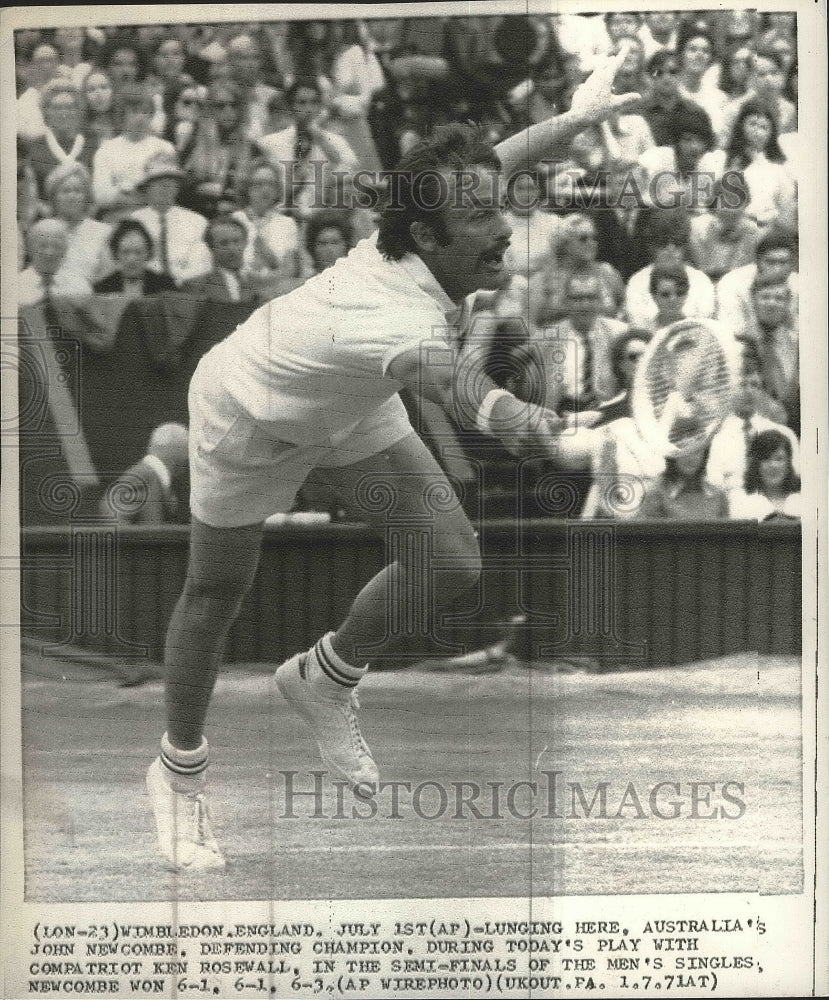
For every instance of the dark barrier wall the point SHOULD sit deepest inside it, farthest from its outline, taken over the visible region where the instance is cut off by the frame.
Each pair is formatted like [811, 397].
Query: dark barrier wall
[630, 594]
[95, 377]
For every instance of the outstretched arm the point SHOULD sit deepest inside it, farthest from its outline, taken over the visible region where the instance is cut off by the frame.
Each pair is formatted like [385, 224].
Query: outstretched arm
[593, 102]
[519, 426]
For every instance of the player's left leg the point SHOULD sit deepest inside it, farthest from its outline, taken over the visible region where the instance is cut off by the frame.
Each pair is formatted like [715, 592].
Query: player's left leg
[221, 568]
[406, 484]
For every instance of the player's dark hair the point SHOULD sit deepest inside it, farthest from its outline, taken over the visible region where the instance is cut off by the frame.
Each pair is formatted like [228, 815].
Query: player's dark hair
[762, 447]
[416, 185]
[136, 97]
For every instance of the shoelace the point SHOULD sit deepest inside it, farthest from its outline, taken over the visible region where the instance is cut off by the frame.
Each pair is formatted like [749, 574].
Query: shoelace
[191, 821]
[203, 820]
[356, 736]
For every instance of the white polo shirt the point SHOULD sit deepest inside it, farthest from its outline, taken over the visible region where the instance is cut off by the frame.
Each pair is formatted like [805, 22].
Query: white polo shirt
[313, 363]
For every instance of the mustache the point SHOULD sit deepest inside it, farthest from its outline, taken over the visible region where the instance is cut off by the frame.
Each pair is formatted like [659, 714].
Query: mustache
[496, 248]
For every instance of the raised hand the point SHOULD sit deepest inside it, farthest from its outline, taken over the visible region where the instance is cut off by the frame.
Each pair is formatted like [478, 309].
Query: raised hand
[594, 100]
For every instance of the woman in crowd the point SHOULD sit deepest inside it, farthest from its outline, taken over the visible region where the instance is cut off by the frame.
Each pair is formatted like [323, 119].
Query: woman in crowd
[183, 106]
[123, 62]
[695, 52]
[575, 256]
[667, 238]
[217, 161]
[768, 79]
[753, 149]
[64, 140]
[98, 97]
[272, 259]
[328, 237]
[132, 247]
[669, 287]
[782, 44]
[339, 55]
[168, 59]
[36, 64]
[672, 173]
[356, 76]
[736, 73]
[68, 190]
[683, 493]
[631, 77]
[118, 167]
[74, 47]
[772, 488]
[724, 237]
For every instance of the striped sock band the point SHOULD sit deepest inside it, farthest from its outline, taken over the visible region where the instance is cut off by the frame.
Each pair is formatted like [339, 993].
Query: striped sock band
[186, 763]
[333, 667]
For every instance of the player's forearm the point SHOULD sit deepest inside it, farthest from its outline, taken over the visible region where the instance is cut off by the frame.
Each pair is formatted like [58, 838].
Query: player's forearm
[545, 140]
[460, 398]
[592, 103]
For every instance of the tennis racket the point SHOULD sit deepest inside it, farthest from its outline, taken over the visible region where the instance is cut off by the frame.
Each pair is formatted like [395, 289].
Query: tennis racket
[684, 386]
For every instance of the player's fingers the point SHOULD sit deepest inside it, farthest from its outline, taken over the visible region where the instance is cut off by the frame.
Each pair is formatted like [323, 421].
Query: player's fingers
[610, 65]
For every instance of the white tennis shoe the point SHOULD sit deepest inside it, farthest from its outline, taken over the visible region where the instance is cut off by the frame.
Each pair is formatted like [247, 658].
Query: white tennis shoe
[331, 717]
[182, 821]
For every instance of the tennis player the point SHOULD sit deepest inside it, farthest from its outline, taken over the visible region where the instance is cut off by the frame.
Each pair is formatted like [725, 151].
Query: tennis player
[311, 380]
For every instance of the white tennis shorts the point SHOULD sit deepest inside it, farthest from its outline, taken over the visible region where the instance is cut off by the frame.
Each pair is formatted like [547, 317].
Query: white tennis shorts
[240, 473]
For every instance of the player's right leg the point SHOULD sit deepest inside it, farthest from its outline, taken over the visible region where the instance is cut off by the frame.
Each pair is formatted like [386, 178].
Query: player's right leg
[221, 569]
[320, 684]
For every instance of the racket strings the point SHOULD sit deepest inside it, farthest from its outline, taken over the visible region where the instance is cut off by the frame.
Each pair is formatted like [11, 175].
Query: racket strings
[687, 385]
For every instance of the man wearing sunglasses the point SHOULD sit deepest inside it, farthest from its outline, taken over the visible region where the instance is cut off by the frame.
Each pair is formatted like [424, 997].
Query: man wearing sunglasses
[662, 105]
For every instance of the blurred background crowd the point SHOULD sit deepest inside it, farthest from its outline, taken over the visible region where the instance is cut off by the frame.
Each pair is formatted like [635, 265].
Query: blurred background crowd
[188, 160]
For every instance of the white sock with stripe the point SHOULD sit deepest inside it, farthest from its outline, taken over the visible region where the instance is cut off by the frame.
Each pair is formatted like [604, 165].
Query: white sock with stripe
[185, 764]
[327, 669]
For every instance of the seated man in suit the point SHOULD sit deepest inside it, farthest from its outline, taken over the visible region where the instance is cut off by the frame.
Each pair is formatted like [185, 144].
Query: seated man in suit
[227, 238]
[154, 490]
[47, 242]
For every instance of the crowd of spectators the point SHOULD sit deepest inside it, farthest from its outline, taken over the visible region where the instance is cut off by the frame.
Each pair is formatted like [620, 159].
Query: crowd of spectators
[219, 161]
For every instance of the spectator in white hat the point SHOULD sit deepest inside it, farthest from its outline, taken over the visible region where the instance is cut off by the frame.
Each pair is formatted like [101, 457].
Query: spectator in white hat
[177, 233]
